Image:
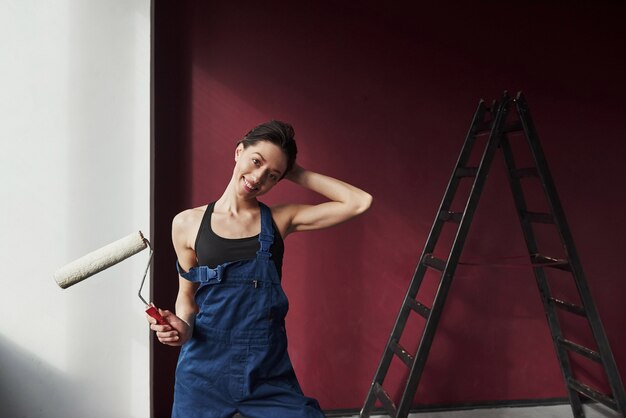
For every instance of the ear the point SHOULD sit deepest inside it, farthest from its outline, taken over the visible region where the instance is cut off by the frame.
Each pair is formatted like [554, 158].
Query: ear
[238, 151]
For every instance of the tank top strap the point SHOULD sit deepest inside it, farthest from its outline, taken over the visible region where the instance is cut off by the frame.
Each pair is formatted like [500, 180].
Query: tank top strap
[266, 237]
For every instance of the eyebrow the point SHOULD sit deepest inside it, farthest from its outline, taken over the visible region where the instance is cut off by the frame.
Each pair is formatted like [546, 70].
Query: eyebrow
[263, 158]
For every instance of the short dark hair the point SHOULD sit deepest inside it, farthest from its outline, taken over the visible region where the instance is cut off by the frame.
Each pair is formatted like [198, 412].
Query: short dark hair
[278, 133]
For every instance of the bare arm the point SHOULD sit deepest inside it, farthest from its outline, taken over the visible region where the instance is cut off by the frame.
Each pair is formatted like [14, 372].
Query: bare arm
[345, 202]
[181, 324]
[182, 236]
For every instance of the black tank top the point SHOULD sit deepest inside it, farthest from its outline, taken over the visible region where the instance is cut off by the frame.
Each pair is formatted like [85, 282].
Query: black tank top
[212, 250]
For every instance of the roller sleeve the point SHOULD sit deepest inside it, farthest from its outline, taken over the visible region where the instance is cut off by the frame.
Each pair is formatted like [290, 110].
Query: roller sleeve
[100, 259]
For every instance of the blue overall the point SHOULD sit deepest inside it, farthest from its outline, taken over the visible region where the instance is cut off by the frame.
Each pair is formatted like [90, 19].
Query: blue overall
[236, 360]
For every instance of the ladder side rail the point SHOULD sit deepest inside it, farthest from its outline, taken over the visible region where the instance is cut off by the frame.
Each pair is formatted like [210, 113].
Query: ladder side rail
[593, 316]
[464, 155]
[420, 270]
[452, 261]
[540, 277]
[397, 330]
[446, 202]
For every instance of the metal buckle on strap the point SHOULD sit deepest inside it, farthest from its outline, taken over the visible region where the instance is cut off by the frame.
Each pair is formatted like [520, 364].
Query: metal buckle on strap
[202, 274]
[207, 274]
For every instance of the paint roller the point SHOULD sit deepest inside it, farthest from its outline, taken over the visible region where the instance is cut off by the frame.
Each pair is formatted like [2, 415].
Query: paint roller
[105, 257]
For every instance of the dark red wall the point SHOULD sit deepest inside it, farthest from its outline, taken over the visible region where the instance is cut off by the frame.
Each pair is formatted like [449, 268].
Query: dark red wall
[381, 95]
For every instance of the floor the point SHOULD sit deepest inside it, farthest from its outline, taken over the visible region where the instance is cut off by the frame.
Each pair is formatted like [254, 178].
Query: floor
[555, 411]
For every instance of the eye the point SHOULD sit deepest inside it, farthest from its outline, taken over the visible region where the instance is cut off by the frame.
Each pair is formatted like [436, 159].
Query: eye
[273, 177]
[256, 162]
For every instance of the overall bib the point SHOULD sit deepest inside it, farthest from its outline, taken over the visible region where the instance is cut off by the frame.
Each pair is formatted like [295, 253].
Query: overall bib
[236, 360]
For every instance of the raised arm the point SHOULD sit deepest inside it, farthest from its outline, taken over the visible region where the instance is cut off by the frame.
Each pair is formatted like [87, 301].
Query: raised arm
[345, 202]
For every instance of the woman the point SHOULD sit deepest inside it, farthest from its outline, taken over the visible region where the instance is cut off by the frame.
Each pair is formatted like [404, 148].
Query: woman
[230, 309]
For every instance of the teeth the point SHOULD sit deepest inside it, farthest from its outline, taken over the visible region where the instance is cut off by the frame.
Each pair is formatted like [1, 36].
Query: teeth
[249, 185]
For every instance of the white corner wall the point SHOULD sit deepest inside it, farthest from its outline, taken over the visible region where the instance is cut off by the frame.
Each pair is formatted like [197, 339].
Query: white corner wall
[74, 176]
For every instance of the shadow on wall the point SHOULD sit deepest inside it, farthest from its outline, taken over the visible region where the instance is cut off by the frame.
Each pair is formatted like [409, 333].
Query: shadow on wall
[25, 376]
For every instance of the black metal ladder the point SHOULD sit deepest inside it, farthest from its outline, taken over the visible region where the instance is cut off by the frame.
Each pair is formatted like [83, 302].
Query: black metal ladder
[498, 121]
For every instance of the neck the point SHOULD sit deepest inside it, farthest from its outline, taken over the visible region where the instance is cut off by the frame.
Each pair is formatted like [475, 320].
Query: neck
[231, 202]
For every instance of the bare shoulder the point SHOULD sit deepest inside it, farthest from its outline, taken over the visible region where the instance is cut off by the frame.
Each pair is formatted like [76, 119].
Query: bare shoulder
[185, 226]
[283, 216]
[188, 216]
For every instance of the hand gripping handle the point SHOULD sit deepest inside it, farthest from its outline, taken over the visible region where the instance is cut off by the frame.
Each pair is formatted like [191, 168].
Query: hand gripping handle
[153, 312]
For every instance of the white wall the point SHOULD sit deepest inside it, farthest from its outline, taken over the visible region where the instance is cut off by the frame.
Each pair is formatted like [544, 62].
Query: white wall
[74, 175]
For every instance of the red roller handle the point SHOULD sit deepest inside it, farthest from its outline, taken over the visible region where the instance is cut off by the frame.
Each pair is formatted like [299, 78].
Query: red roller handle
[153, 312]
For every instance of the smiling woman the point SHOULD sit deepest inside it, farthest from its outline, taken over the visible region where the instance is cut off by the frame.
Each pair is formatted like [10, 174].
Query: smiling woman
[230, 309]
[262, 165]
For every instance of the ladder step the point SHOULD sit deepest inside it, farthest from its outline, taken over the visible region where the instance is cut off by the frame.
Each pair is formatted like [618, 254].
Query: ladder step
[419, 308]
[385, 399]
[570, 307]
[404, 355]
[492, 122]
[447, 216]
[583, 351]
[435, 263]
[466, 172]
[521, 173]
[593, 394]
[557, 263]
[542, 218]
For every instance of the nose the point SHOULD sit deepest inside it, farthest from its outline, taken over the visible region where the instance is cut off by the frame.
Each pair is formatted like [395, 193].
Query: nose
[259, 176]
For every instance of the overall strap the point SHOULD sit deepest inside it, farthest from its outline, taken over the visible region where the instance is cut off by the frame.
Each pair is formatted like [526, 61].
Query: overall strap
[207, 275]
[266, 237]
[202, 274]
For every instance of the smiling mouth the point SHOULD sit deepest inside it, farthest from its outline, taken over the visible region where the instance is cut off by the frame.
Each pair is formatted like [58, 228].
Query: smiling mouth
[250, 186]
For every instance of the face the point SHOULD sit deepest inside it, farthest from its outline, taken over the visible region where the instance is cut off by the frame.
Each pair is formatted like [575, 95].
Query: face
[258, 168]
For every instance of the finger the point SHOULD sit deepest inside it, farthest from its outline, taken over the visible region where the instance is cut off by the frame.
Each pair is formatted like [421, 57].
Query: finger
[168, 336]
[165, 313]
[168, 340]
[160, 328]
